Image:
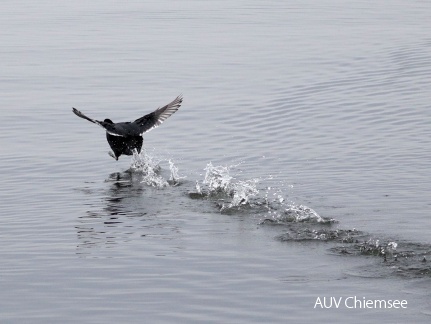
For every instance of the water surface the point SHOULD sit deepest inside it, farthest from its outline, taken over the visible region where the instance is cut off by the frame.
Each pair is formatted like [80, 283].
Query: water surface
[302, 149]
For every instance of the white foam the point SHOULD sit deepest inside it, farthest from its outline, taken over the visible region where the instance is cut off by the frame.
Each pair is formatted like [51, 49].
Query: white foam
[149, 167]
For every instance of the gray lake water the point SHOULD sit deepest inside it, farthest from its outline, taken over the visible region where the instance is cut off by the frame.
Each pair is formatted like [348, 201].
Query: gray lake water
[302, 151]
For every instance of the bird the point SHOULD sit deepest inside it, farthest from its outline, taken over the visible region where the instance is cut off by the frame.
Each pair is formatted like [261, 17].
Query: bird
[126, 137]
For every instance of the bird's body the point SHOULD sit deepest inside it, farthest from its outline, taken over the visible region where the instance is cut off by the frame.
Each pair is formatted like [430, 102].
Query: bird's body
[126, 137]
[124, 145]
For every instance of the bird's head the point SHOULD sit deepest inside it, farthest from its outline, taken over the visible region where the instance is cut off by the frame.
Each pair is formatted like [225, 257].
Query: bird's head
[108, 121]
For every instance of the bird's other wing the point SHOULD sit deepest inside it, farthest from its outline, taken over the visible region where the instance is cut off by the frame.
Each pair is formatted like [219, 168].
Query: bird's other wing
[80, 114]
[108, 127]
[157, 117]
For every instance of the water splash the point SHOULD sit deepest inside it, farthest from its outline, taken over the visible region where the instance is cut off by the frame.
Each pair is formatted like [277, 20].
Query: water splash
[149, 167]
[301, 223]
[374, 247]
[242, 191]
[217, 179]
[407, 259]
[281, 211]
[302, 213]
[321, 234]
[219, 184]
[174, 178]
[198, 188]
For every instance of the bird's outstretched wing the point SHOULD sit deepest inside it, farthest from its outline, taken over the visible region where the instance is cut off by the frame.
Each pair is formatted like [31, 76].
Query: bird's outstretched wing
[157, 117]
[80, 114]
[140, 125]
[110, 128]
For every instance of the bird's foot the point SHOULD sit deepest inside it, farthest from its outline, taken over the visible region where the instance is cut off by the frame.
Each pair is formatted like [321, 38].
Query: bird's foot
[112, 154]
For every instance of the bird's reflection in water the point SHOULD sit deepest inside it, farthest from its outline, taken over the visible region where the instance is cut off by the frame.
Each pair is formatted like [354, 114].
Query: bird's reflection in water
[109, 220]
[121, 188]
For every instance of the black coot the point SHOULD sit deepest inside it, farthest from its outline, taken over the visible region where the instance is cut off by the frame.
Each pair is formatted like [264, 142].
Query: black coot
[126, 137]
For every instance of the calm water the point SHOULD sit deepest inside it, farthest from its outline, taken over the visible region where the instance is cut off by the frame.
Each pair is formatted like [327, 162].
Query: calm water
[302, 147]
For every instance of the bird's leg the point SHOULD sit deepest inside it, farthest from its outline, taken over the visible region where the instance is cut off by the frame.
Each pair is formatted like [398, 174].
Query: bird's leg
[112, 154]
